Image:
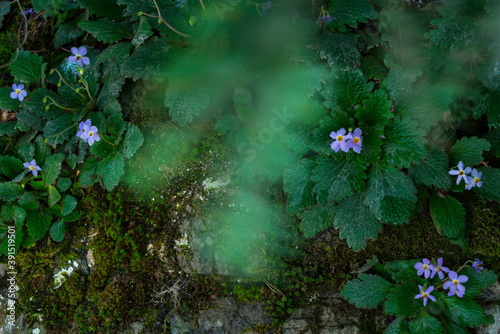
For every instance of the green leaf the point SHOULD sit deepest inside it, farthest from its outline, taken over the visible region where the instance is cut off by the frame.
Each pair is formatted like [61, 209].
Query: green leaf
[356, 222]
[106, 8]
[57, 126]
[376, 111]
[51, 168]
[102, 149]
[57, 231]
[6, 102]
[298, 185]
[448, 215]
[10, 191]
[477, 282]
[37, 223]
[133, 140]
[73, 216]
[143, 32]
[339, 49]
[150, 61]
[432, 170]
[463, 311]
[26, 152]
[186, 103]
[349, 12]
[316, 220]
[27, 67]
[227, 123]
[491, 184]
[11, 212]
[469, 151]
[321, 140]
[8, 128]
[88, 175]
[401, 300]
[390, 194]
[398, 326]
[337, 179]
[403, 145]
[42, 150]
[242, 95]
[111, 169]
[54, 196]
[374, 68]
[425, 323]
[28, 201]
[68, 204]
[346, 88]
[366, 292]
[70, 31]
[107, 31]
[10, 166]
[63, 184]
[493, 137]
[4, 10]
[4, 247]
[119, 51]
[451, 328]
[402, 270]
[457, 32]
[116, 125]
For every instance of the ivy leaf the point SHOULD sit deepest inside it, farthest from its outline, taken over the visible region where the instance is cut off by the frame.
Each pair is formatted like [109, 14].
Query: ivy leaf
[10, 191]
[27, 67]
[376, 111]
[463, 311]
[316, 220]
[469, 151]
[425, 323]
[6, 102]
[477, 282]
[337, 179]
[490, 189]
[10, 166]
[68, 204]
[54, 196]
[143, 32]
[356, 222]
[103, 8]
[37, 223]
[298, 185]
[448, 215]
[349, 12]
[403, 145]
[366, 292]
[390, 194]
[398, 326]
[107, 31]
[150, 61]
[111, 169]
[133, 140]
[432, 170]
[401, 300]
[51, 168]
[339, 49]
[57, 231]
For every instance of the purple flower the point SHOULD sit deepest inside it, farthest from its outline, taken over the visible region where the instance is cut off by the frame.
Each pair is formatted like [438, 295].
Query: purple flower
[426, 294]
[357, 140]
[82, 128]
[18, 92]
[478, 265]
[340, 142]
[475, 180]
[454, 284]
[32, 167]
[266, 6]
[461, 172]
[26, 12]
[424, 267]
[324, 19]
[79, 56]
[90, 134]
[439, 269]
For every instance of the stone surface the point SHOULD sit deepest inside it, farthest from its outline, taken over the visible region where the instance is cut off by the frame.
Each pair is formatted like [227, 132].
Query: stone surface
[495, 327]
[491, 294]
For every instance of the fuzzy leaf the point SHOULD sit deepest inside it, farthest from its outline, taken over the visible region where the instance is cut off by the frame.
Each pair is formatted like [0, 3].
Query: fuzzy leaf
[68, 204]
[143, 32]
[37, 223]
[4, 10]
[70, 31]
[349, 12]
[469, 151]
[119, 51]
[149, 61]
[398, 326]
[491, 184]
[18, 240]
[54, 196]
[227, 123]
[105, 8]
[116, 125]
[316, 220]
[463, 311]
[88, 175]
[376, 111]
[111, 169]
[390, 194]
[477, 282]
[10, 166]
[403, 144]
[298, 185]
[27, 67]
[432, 170]
[400, 301]
[402, 270]
[451, 328]
[356, 222]
[6, 102]
[448, 215]
[28, 201]
[57, 231]
[374, 68]
[107, 31]
[336, 180]
[366, 292]
[339, 49]
[63, 184]
[51, 168]
[133, 140]
[26, 152]
[56, 126]
[346, 88]
[10, 191]
[185, 103]
[425, 323]
[493, 137]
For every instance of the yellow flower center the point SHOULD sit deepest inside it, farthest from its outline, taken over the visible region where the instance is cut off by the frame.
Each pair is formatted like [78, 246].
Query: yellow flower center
[91, 133]
[355, 140]
[438, 268]
[455, 282]
[476, 180]
[18, 91]
[340, 138]
[78, 57]
[31, 167]
[461, 172]
[425, 267]
[425, 295]
[479, 265]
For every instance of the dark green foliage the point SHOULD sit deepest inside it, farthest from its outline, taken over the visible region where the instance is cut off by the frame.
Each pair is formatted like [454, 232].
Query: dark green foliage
[448, 215]
[366, 292]
[469, 151]
[26, 67]
[106, 31]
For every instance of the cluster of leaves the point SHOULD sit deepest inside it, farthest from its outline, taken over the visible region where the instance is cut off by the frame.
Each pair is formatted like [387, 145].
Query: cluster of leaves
[396, 286]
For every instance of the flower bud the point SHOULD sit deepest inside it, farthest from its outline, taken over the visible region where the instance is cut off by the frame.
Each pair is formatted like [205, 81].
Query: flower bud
[44, 100]
[159, 21]
[139, 13]
[47, 107]
[59, 84]
[52, 71]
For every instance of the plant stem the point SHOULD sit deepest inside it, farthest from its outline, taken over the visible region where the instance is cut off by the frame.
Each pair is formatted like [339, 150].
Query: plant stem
[67, 84]
[168, 24]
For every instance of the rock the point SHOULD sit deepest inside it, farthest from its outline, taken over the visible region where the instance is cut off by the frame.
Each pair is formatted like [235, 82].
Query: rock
[491, 294]
[495, 327]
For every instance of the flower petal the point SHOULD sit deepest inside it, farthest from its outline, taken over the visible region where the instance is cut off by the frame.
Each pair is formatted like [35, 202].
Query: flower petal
[21, 86]
[13, 95]
[24, 93]
[82, 51]
[454, 172]
[20, 97]
[463, 278]
[86, 60]
[14, 86]
[460, 165]
[74, 50]
[72, 59]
